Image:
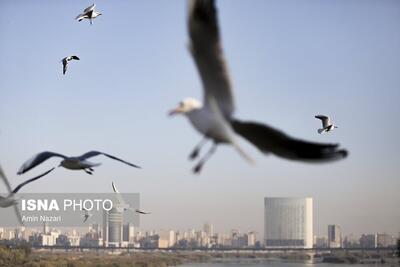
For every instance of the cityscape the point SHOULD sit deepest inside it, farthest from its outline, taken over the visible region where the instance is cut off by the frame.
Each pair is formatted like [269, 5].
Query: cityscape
[288, 224]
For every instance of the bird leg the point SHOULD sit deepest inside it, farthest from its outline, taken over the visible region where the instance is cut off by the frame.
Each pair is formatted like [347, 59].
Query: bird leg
[197, 148]
[199, 165]
[88, 171]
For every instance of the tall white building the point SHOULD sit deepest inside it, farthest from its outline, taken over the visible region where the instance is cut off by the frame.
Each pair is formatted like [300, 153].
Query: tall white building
[288, 222]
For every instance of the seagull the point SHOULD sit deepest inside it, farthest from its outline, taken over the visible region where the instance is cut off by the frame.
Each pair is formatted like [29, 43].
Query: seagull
[327, 125]
[71, 163]
[11, 199]
[123, 206]
[214, 118]
[66, 60]
[87, 215]
[89, 13]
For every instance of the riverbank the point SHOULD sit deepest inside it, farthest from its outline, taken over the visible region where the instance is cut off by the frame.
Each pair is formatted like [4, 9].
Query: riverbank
[25, 257]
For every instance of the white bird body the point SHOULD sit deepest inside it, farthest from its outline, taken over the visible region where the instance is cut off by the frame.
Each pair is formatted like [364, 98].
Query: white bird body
[327, 124]
[89, 13]
[76, 164]
[214, 119]
[122, 205]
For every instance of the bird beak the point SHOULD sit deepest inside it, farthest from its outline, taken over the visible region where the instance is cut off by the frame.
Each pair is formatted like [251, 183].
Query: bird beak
[175, 111]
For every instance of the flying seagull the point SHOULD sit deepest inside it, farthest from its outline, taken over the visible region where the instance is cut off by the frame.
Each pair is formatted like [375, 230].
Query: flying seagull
[327, 125]
[11, 199]
[86, 215]
[71, 163]
[89, 13]
[122, 204]
[214, 118]
[66, 60]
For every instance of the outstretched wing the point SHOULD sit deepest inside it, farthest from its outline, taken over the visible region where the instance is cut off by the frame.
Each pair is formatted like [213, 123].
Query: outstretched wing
[325, 120]
[74, 57]
[118, 195]
[90, 8]
[96, 153]
[5, 180]
[31, 180]
[270, 140]
[37, 159]
[65, 66]
[141, 212]
[205, 46]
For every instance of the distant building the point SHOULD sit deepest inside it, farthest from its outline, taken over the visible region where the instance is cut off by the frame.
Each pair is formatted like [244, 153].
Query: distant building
[208, 228]
[166, 239]
[288, 222]
[128, 233]
[334, 236]
[321, 242]
[115, 219]
[384, 240]
[368, 241]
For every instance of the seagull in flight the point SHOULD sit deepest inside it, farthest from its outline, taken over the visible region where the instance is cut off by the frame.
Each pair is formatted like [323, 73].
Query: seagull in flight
[214, 117]
[122, 204]
[66, 60]
[89, 13]
[86, 215]
[327, 125]
[71, 163]
[11, 199]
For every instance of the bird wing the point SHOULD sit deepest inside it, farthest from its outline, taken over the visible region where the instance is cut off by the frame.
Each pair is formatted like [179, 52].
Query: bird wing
[96, 153]
[141, 212]
[90, 8]
[81, 17]
[74, 57]
[118, 195]
[86, 217]
[37, 159]
[5, 180]
[205, 47]
[31, 180]
[325, 120]
[65, 64]
[268, 139]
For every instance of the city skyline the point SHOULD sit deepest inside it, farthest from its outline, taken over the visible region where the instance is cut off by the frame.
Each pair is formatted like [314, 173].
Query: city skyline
[288, 62]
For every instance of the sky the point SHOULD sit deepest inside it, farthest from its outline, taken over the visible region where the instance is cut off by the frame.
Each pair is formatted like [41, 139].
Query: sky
[288, 60]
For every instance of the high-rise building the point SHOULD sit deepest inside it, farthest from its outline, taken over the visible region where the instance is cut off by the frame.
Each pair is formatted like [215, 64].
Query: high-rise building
[128, 233]
[288, 222]
[208, 228]
[384, 240]
[334, 236]
[115, 219]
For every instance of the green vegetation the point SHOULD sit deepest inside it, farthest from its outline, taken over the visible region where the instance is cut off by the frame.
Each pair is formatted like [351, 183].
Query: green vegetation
[21, 257]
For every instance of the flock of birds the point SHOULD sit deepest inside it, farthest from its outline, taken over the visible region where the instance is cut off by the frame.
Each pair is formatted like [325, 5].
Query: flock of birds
[213, 118]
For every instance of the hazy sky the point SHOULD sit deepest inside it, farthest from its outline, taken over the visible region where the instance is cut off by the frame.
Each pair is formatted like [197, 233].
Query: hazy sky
[289, 60]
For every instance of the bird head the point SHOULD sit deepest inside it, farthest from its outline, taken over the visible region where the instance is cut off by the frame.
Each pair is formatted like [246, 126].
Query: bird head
[185, 106]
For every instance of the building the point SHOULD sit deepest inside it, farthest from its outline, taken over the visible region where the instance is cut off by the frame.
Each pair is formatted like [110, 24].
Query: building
[166, 239]
[115, 219]
[334, 236]
[368, 241]
[208, 228]
[288, 222]
[384, 240]
[128, 233]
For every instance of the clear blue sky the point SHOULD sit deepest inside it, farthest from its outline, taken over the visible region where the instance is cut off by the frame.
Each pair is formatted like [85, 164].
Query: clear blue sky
[289, 60]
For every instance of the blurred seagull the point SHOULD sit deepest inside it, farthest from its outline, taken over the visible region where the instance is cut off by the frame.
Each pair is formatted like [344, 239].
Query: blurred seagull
[66, 60]
[86, 215]
[214, 119]
[71, 163]
[89, 13]
[11, 199]
[122, 205]
[327, 125]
